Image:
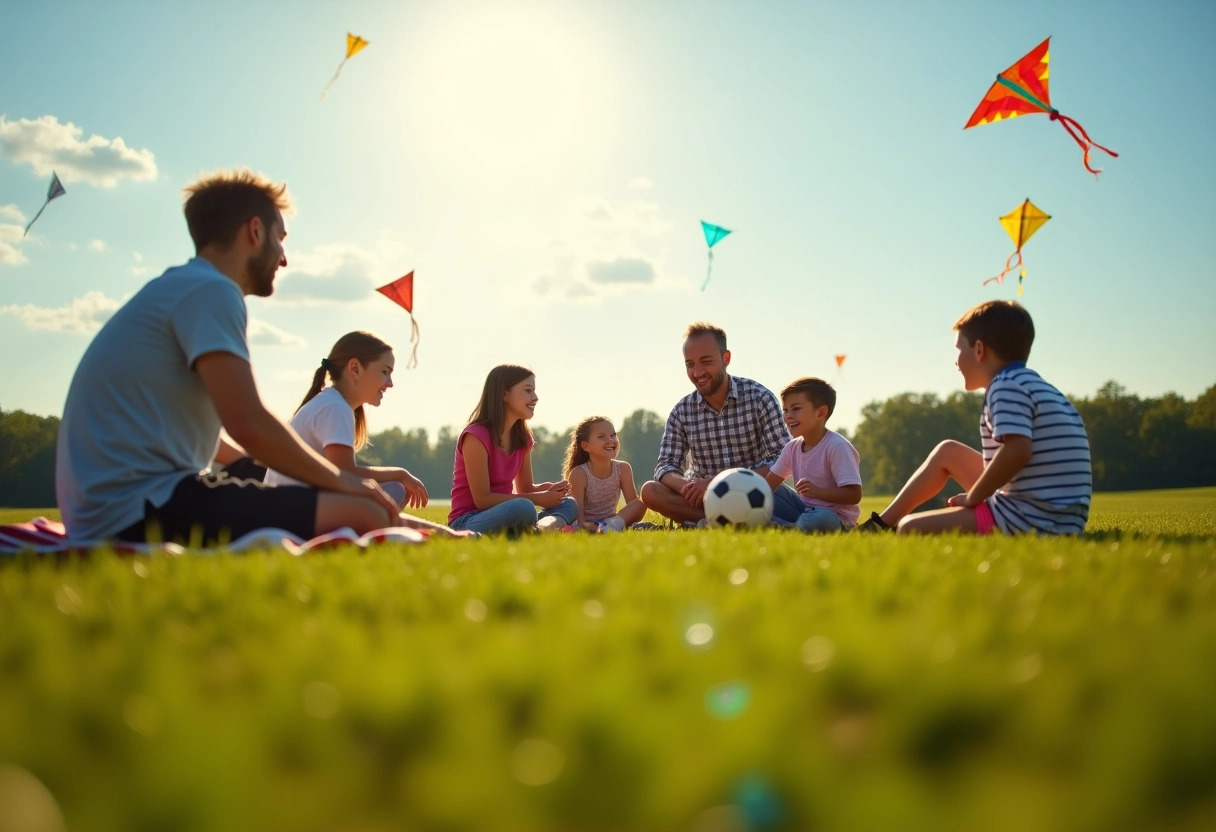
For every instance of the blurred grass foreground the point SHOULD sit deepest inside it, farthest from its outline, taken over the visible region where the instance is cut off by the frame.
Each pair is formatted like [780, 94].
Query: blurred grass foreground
[707, 681]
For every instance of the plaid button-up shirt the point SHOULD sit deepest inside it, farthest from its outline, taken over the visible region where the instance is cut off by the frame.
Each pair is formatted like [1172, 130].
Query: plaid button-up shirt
[748, 432]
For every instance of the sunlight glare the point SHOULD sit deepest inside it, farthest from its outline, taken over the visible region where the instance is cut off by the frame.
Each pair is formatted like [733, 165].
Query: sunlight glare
[507, 88]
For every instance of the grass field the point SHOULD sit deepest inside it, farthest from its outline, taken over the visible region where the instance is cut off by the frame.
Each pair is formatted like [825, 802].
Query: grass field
[707, 681]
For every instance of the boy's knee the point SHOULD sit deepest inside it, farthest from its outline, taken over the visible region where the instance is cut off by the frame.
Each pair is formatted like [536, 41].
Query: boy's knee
[949, 446]
[818, 521]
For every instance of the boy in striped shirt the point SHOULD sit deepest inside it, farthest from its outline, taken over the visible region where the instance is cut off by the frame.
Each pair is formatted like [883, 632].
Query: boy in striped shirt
[1034, 474]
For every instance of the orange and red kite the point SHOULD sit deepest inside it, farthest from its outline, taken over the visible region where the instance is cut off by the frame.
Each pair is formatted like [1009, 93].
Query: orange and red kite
[1022, 89]
[401, 292]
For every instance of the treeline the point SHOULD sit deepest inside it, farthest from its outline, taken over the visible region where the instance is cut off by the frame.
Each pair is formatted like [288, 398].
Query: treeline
[1137, 443]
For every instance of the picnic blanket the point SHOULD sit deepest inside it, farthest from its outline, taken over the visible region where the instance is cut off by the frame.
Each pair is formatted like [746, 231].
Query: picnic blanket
[46, 537]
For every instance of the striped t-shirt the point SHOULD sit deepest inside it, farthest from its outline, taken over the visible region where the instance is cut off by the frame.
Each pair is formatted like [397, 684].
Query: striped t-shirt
[1051, 494]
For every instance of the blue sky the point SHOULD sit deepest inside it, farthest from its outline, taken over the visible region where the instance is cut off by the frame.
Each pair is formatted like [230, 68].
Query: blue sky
[544, 166]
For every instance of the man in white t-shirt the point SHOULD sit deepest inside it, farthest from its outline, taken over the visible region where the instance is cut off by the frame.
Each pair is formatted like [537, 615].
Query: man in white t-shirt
[142, 419]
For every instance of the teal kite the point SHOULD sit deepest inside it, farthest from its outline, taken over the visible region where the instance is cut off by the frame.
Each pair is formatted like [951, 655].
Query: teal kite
[55, 191]
[713, 234]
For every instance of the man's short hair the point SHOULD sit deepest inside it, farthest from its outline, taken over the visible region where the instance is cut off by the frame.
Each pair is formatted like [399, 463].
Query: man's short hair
[703, 328]
[1003, 325]
[218, 204]
[818, 391]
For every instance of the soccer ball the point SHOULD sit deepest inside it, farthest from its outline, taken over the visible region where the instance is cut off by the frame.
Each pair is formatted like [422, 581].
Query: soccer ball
[738, 497]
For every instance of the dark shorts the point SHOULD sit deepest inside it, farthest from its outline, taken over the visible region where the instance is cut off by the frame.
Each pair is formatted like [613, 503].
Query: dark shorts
[215, 509]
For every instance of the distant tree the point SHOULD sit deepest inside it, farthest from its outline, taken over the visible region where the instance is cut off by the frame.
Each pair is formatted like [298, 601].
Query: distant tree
[640, 435]
[1167, 446]
[548, 453]
[1112, 421]
[895, 436]
[27, 459]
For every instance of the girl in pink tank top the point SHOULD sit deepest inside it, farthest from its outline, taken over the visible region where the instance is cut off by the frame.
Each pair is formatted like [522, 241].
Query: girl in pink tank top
[492, 487]
[598, 479]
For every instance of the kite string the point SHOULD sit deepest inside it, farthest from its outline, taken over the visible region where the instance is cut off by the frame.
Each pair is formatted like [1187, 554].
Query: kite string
[36, 216]
[335, 78]
[708, 268]
[1009, 266]
[415, 339]
[1084, 143]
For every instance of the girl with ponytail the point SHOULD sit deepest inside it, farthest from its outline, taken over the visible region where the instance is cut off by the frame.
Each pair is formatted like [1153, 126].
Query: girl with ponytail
[331, 420]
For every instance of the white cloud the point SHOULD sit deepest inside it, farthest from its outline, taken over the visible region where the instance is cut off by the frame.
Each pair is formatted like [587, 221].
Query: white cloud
[98, 246]
[83, 316]
[336, 272]
[12, 229]
[46, 145]
[139, 269]
[262, 334]
[603, 246]
[641, 183]
[621, 270]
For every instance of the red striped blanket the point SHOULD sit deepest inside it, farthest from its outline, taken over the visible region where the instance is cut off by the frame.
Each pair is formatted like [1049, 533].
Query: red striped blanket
[49, 538]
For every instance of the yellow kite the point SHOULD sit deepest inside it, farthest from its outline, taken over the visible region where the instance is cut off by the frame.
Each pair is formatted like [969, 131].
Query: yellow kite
[354, 44]
[1020, 224]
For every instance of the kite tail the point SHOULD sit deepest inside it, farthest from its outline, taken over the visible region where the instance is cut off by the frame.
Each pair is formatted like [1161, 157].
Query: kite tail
[1009, 266]
[708, 269]
[1083, 140]
[36, 216]
[415, 339]
[335, 78]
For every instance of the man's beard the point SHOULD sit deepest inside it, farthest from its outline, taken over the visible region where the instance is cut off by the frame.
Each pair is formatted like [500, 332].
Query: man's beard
[262, 267]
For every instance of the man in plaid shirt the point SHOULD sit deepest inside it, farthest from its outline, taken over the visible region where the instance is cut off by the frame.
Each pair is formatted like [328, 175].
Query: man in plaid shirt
[727, 422]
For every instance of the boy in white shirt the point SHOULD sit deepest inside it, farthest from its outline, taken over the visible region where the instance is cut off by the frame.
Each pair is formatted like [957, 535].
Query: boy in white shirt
[823, 463]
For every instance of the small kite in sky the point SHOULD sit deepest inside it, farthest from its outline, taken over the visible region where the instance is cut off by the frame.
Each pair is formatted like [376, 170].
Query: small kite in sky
[1020, 224]
[55, 190]
[713, 234]
[840, 365]
[401, 292]
[1021, 90]
[354, 44]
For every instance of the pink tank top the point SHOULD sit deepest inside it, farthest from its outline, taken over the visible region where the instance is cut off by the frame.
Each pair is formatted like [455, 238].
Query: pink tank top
[601, 496]
[503, 469]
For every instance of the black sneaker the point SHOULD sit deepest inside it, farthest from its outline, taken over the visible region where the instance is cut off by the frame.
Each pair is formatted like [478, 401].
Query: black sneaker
[875, 524]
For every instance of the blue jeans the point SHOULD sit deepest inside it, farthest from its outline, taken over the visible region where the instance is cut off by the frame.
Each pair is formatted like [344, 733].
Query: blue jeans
[517, 515]
[787, 505]
[819, 519]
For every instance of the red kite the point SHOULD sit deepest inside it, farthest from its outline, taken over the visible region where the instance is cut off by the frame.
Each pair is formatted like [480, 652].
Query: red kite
[401, 292]
[1022, 89]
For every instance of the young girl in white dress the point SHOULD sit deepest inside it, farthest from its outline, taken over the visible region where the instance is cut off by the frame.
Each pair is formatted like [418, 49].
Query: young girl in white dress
[598, 479]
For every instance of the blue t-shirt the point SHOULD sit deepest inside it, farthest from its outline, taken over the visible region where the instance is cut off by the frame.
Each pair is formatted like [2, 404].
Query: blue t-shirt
[1051, 494]
[137, 418]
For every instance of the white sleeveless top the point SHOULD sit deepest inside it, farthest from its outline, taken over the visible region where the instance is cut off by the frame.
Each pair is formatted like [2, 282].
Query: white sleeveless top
[601, 496]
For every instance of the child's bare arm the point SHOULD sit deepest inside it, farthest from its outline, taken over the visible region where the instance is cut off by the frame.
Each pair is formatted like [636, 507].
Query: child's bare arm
[578, 490]
[774, 480]
[628, 488]
[841, 495]
[1010, 458]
